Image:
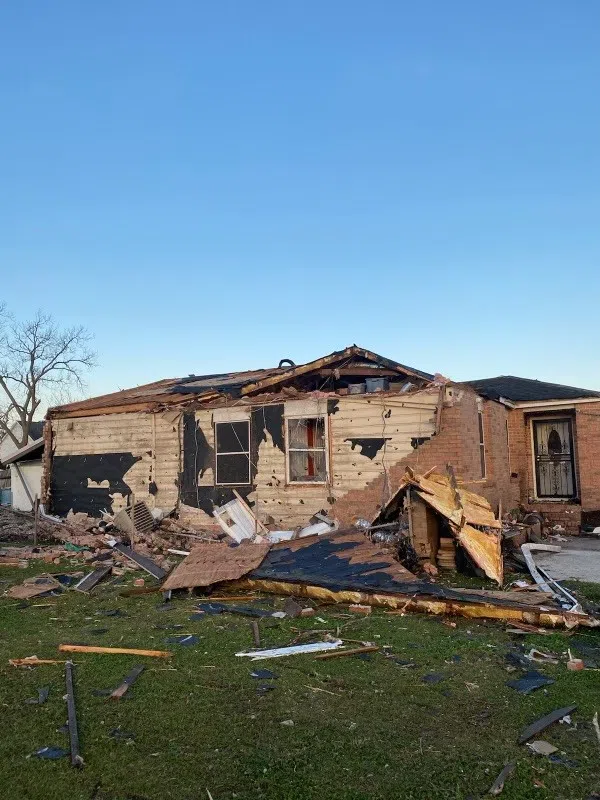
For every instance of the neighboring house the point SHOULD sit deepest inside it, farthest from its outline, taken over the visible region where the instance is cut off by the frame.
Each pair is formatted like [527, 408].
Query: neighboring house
[23, 466]
[554, 434]
[335, 434]
[8, 447]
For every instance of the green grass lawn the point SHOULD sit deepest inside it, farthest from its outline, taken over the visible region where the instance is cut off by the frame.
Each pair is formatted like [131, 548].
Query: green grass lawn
[362, 728]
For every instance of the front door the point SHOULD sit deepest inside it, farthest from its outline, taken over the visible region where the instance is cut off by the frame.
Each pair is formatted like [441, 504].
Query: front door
[554, 461]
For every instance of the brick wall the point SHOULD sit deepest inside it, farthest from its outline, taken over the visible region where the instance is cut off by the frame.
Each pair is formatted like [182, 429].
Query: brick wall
[457, 443]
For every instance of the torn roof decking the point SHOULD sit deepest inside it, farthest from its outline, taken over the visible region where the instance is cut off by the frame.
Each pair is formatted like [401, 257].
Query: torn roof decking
[220, 386]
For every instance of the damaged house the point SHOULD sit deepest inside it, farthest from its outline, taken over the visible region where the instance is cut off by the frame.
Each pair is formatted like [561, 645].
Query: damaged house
[334, 435]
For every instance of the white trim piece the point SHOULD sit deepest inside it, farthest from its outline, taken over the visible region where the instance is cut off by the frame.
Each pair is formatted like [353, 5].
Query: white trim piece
[278, 652]
[230, 415]
[555, 403]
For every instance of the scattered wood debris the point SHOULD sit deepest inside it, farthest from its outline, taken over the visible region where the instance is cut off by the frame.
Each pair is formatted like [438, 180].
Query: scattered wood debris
[498, 785]
[128, 680]
[128, 651]
[76, 759]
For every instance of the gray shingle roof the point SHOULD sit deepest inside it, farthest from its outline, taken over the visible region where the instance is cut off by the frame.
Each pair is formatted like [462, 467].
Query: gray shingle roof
[526, 389]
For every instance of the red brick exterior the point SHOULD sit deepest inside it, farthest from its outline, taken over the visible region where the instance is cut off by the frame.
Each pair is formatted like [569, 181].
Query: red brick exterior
[457, 443]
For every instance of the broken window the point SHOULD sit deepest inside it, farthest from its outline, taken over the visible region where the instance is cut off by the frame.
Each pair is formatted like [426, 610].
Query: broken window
[307, 450]
[232, 453]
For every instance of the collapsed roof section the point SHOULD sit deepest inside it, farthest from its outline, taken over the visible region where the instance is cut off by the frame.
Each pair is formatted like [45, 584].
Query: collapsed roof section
[338, 370]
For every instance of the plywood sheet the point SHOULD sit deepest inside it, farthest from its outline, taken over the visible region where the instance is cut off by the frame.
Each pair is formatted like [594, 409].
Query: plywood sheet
[211, 563]
[485, 550]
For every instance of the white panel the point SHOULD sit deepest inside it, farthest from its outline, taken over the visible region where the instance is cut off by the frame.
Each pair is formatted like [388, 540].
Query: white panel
[230, 415]
[305, 408]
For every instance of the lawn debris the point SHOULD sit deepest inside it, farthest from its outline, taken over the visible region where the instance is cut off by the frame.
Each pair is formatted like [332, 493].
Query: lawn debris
[33, 587]
[293, 650]
[121, 735]
[33, 661]
[433, 677]
[186, 640]
[542, 748]
[529, 682]
[255, 633]
[264, 674]
[90, 581]
[128, 680]
[558, 758]
[84, 648]
[288, 723]
[596, 726]
[76, 759]
[544, 722]
[141, 561]
[265, 687]
[356, 651]
[43, 693]
[292, 608]
[356, 608]
[50, 752]
[498, 785]
[540, 657]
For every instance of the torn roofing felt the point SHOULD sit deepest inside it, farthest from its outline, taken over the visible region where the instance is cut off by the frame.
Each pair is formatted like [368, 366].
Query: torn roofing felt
[347, 561]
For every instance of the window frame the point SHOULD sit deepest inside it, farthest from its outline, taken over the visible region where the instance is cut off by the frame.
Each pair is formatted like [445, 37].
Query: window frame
[482, 454]
[554, 416]
[324, 449]
[238, 453]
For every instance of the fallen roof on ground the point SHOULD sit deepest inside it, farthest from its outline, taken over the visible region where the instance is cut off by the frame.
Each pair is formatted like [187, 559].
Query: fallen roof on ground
[208, 564]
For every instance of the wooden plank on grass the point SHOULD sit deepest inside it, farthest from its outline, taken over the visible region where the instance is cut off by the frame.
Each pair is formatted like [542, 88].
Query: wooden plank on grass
[130, 678]
[127, 651]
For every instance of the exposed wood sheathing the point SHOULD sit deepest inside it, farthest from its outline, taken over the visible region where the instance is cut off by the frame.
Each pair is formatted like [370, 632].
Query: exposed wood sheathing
[129, 435]
[388, 423]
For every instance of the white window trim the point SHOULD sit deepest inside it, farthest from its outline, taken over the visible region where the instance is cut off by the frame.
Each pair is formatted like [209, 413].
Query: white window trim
[559, 500]
[325, 418]
[237, 453]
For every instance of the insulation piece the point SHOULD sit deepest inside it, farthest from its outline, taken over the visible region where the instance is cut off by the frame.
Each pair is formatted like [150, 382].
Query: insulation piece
[293, 650]
[212, 563]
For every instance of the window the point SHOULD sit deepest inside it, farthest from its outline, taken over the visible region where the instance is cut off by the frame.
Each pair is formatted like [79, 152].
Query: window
[481, 444]
[232, 453]
[306, 450]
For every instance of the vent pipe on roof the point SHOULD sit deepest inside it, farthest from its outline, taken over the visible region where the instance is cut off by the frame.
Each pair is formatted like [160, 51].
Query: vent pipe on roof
[286, 361]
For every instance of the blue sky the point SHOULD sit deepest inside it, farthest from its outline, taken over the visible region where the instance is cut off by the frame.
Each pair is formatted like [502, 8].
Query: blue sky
[217, 185]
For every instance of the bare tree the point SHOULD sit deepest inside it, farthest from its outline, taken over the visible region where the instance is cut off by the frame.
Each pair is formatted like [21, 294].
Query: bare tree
[38, 361]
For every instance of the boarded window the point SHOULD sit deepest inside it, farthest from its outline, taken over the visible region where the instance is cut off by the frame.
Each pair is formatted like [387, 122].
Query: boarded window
[232, 453]
[307, 450]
